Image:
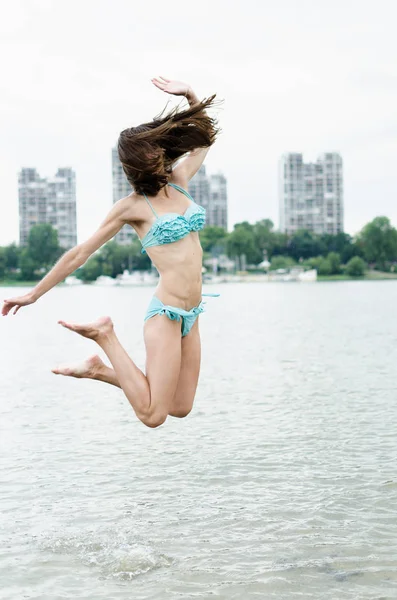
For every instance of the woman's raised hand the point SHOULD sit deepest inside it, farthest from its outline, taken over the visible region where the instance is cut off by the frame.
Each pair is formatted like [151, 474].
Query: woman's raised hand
[176, 88]
[16, 304]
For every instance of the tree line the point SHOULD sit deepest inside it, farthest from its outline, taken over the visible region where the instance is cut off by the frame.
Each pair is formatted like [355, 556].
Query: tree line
[375, 246]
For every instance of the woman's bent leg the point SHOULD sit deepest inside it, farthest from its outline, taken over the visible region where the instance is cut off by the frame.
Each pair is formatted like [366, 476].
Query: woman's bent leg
[183, 400]
[92, 368]
[150, 396]
[163, 358]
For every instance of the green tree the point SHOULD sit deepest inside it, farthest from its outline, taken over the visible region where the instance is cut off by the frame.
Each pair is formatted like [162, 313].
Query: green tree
[313, 262]
[242, 241]
[325, 266]
[304, 244]
[212, 237]
[342, 243]
[333, 259]
[113, 258]
[91, 270]
[43, 245]
[12, 253]
[350, 251]
[264, 236]
[280, 244]
[321, 264]
[136, 260]
[3, 262]
[378, 240]
[281, 262]
[355, 267]
[27, 266]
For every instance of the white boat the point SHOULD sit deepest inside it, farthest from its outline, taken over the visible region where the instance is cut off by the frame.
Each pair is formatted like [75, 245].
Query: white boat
[73, 281]
[137, 278]
[308, 275]
[105, 280]
[293, 274]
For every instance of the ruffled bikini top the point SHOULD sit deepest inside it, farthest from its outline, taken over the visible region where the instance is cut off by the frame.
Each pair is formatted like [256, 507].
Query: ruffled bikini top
[172, 227]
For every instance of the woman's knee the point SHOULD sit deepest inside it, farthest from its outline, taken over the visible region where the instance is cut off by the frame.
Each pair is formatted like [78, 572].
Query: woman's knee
[181, 413]
[154, 420]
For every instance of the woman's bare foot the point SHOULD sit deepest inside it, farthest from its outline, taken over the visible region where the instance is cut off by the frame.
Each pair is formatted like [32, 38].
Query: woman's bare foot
[88, 369]
[99, 328]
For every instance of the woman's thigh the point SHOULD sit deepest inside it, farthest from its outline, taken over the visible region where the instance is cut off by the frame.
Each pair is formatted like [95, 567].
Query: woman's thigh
[189, 374]
[163, 359]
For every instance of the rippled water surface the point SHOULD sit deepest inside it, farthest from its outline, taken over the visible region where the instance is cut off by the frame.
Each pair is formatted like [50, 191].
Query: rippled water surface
[282, 482]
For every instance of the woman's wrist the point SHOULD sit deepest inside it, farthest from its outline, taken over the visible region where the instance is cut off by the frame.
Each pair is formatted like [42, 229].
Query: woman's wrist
[33, 295]
[191, 96]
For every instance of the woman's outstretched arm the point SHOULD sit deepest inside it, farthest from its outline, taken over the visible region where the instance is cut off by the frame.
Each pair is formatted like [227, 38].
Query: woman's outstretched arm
[72, 259]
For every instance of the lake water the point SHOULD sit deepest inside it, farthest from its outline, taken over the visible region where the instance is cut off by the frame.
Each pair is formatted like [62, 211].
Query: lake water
[282, 482]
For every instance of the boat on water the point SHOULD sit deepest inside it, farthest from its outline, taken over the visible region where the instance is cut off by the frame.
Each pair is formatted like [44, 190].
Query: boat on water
[294, 274]
[105, 280]
[285, 275]
[310, 275]
[72, 281]
[137, 278]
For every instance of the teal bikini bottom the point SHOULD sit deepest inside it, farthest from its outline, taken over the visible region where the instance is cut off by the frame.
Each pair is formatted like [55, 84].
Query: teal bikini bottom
[188, 317]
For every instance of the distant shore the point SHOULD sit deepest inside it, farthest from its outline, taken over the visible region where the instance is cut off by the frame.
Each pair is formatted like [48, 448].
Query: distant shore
[13, 283]
[245, 278]
[369, 276]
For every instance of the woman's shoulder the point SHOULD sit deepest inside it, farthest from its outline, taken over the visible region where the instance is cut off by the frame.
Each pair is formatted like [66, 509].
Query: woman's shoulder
[131, 206]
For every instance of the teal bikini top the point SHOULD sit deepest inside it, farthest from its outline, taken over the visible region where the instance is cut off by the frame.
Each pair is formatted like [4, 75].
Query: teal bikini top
[172, 227]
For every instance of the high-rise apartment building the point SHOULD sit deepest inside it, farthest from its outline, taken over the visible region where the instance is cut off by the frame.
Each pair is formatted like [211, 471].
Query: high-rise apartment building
[311, 194]
[61, 206]
[211, 193]
[48, 201]
[199, 188]
[217, 210]
[121, 188]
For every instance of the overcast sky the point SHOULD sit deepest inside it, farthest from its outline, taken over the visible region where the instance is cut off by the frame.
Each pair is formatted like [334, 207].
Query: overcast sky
[296, 75]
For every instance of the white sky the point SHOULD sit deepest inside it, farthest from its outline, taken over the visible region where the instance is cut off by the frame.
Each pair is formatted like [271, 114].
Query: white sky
[296, 75]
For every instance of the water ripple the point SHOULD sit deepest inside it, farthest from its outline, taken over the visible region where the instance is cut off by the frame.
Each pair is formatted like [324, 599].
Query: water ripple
[281, 484]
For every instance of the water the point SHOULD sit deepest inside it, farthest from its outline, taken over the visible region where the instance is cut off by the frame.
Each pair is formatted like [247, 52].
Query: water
[281, 483]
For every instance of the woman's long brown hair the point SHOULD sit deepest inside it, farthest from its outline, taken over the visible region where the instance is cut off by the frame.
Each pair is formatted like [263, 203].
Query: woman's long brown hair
[147, 152]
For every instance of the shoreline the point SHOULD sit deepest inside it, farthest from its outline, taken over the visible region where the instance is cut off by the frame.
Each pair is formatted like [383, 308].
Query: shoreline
[13, 283]
[254, 278]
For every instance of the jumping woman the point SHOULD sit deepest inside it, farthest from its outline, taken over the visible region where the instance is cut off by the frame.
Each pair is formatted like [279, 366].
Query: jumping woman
[167, 221]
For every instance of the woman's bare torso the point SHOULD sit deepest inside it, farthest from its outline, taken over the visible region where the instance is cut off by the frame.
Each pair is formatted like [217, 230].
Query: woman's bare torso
[179, 263]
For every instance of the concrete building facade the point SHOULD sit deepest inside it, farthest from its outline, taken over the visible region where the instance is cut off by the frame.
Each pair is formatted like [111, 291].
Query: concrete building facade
[210, 192]
[121, 188]
[50, 201]
[311, 194]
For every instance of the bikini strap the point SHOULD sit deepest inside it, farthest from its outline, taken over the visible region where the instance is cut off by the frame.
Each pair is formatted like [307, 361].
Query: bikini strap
[180, 189]
[147, 200]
